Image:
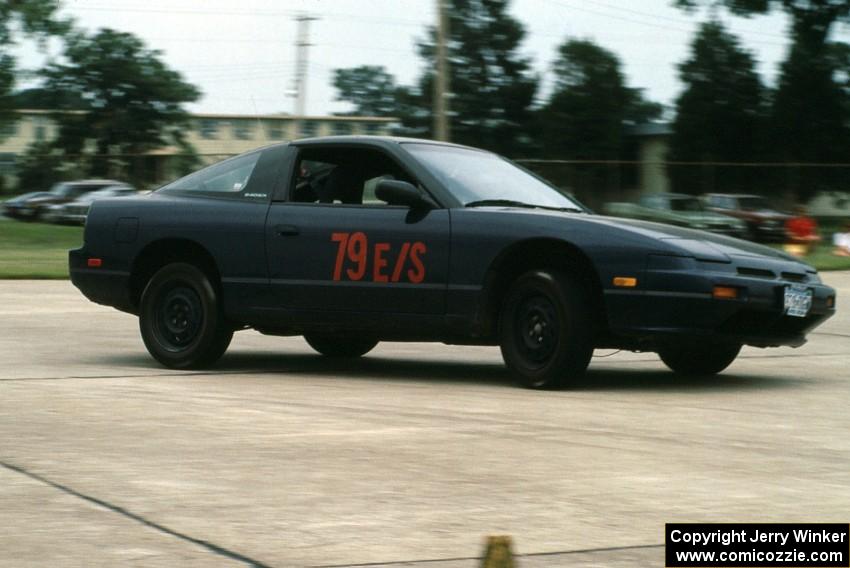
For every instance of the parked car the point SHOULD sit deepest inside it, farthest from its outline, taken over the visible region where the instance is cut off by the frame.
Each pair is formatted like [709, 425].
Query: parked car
[18, 207]
[353, 240]
[75, 212]
[763, 221]
[33, 206]
[677, 209]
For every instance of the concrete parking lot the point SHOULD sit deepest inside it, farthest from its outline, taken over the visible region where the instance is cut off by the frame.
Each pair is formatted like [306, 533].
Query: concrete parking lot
[408, 457]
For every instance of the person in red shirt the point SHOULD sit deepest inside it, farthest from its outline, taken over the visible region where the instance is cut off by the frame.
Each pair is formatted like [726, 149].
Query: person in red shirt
[802, 232]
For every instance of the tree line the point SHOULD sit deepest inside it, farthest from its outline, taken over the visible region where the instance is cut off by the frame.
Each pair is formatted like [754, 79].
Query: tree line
[111, 97]
[724, 116]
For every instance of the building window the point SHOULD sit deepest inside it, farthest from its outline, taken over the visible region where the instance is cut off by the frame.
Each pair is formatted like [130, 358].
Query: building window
[7, 163]
[275, 131]
[243, 130]
[40, 133]
[342, 128]
[8, 129]
[309, 128]
[208, 129]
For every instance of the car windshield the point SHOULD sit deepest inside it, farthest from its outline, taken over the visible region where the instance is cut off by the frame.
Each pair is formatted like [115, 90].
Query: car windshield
[61, 190]
[685, 204]
[475, 178]
[753, 203]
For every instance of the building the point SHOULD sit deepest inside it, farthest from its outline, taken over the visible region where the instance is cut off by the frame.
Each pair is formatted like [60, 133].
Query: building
[653, 144]
[213, 136]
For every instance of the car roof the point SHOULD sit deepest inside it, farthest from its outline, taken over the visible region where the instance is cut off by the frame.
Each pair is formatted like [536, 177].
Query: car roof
[732, 195]
[376, 140]
[103, 182]
[669, 195]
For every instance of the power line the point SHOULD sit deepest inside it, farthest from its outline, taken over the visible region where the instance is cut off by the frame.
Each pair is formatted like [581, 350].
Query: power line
[244, 13]
[610, 15]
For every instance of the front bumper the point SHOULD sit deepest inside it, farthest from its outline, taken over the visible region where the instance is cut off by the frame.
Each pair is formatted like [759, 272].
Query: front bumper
[675, 300]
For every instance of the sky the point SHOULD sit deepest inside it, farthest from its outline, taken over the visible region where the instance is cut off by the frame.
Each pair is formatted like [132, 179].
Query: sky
[241, 54]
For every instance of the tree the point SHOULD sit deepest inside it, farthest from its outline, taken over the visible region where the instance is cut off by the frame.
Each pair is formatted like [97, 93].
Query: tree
[811, 20]
[720, 115]
[31, 18]
[371, 89]
[492, 86]
[117, 97]
[590, 104]
[809, 119]
[586, 118]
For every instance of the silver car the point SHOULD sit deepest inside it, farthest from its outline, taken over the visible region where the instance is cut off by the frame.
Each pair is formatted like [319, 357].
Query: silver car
[75, 212]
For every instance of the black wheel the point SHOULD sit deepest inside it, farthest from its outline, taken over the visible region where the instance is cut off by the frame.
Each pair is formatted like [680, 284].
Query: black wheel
[340, 346]
[545, 330]
[181, 319]
[700, 359]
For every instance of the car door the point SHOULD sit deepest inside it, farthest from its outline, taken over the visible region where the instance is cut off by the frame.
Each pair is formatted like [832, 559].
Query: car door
[350, 252]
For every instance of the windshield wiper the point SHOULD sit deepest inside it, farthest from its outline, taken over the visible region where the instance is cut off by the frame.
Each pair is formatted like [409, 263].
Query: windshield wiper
[512, 203]
[497, 202]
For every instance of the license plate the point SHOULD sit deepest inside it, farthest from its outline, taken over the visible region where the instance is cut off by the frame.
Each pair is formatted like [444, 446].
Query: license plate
[798, 301]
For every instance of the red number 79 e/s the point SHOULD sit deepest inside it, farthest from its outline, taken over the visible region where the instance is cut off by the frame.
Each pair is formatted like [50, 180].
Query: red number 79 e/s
[353, 255]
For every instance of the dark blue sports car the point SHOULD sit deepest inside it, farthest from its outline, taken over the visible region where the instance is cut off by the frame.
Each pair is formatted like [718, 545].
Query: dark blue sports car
[349, 241]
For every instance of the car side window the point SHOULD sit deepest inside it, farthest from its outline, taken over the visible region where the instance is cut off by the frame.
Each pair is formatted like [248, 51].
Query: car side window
[343, 176]
[653, 202]
[227, 178]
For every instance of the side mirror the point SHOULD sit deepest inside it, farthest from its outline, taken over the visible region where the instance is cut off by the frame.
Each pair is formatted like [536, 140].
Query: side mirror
[403, 193]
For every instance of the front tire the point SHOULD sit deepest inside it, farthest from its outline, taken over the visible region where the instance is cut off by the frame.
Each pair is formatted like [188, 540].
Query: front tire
[698, 359]
[339, 346]
[181, 319]
[546, 329]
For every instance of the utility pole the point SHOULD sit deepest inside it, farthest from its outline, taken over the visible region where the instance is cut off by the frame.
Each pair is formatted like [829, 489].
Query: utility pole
[442, 88]
[302, 58]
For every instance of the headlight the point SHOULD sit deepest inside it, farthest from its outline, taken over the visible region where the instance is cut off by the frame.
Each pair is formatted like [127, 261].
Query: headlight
[700, 250]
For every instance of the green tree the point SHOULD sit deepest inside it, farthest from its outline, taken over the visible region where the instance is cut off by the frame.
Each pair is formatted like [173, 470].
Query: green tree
[492, 86]
[118, 98]
[720, 115]
[809, 119]
[31, 18]
[42, 165]
[590, 104]
[371, 89]
[586, 118]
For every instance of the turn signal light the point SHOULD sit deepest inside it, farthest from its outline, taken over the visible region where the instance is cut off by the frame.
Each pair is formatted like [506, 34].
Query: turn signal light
[625, 281]
[95, 262]
[830, 301]
[725, 293]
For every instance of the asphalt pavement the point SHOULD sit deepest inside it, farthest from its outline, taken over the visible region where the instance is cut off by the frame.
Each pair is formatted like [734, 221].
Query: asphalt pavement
[407, 457]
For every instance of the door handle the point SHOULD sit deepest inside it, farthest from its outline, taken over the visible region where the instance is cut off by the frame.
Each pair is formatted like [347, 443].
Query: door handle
[286, 230]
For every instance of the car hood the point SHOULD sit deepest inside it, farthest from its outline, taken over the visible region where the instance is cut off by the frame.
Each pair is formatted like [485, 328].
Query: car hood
[705, 217]
[767, 214]
[700, 244]
[46, 199]
[671, 239]
[20, 199]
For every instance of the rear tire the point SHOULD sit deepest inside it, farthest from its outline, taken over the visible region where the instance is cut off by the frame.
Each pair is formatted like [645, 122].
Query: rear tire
[698, 359]
[545, 329]
[340, 346]
[181, 318]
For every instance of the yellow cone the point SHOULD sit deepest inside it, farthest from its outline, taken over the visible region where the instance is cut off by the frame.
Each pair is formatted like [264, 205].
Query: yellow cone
[499, 553]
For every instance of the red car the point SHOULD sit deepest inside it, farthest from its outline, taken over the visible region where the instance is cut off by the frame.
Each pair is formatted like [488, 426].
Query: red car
[764, 222]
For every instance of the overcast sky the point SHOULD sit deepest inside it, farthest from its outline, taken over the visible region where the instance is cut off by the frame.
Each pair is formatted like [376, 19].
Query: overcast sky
[242, 56]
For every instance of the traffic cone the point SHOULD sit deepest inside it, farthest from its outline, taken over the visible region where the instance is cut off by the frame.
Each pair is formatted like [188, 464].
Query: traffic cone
[498, 553]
